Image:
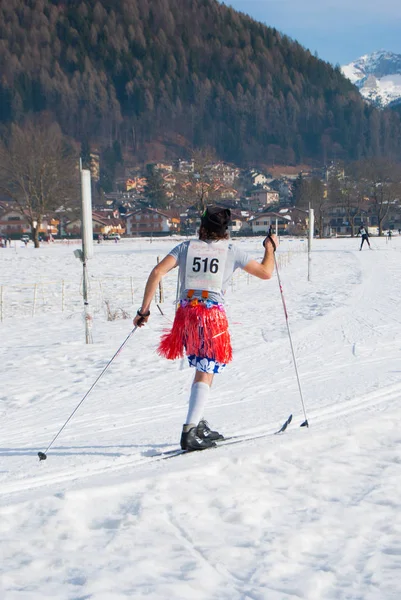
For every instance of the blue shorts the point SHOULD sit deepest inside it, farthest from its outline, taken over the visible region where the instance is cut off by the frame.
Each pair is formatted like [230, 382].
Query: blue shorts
[204, 364]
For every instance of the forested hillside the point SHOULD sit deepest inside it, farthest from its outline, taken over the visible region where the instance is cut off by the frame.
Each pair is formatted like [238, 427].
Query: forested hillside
[137, 71]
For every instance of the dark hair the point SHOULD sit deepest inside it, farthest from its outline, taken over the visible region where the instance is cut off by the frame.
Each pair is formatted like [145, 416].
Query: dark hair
[214, 223]
[204, 235]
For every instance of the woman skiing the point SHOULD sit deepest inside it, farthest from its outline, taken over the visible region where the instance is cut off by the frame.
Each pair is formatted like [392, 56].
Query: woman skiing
[200, 327]
[365, 236]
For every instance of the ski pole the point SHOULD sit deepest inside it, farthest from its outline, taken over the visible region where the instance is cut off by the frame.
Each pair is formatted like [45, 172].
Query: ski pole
[305, 423]
[43, 455]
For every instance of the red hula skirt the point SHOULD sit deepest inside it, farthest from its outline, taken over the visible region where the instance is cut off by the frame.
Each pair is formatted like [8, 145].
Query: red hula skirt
[200, 329]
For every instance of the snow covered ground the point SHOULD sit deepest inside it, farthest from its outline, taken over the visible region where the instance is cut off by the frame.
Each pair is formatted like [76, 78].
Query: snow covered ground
[311, 514]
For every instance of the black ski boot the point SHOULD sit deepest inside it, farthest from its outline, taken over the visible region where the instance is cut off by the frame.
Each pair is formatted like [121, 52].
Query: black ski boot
[191, 441]
[204, 432]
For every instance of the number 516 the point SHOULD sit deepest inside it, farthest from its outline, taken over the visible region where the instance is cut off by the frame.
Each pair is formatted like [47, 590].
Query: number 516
[211, 265]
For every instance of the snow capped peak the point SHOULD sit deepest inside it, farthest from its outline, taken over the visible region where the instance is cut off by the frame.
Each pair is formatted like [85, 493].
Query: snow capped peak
[378, 76]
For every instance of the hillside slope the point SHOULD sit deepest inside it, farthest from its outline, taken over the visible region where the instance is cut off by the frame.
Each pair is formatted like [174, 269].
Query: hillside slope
[139, 70]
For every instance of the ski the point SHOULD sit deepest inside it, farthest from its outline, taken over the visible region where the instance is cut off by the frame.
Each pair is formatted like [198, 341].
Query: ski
[245, 436]
[229, 440]
[284, 425]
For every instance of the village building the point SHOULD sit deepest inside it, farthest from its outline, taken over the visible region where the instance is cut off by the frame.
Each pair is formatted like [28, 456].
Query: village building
[13, 224]
[170, 183]
[166, 167]
[152, 221]
[226, 173]
[185, 166]
[104, 222]
[279, 222]
[284, 188]
[136, 184]
[259, 199]
[226, 192]
[266, 196]
[240, 224]
[257, 178]
[294, 221]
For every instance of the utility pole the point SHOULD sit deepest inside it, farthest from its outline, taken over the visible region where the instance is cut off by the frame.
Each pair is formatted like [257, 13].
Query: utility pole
[87, 245]
[310, 238]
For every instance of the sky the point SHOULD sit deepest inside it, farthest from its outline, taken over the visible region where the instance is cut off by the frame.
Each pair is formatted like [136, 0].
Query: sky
[312, 514]
[340, 31]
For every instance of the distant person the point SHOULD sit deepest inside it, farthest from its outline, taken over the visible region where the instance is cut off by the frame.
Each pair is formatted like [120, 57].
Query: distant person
[200, 328]
[389, 235]
[365, 236]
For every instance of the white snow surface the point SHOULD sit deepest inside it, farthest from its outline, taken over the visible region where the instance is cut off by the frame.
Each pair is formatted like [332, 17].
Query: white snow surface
[311, 514]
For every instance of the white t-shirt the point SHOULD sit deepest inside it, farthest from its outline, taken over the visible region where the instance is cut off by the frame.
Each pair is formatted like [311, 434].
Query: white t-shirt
[210, 266]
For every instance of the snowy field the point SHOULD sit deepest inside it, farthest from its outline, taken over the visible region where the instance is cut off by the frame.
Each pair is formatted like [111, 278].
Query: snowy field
[311, 514]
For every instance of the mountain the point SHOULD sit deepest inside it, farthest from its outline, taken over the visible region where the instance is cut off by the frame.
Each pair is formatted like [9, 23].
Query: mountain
[173, 75]
[378, 77]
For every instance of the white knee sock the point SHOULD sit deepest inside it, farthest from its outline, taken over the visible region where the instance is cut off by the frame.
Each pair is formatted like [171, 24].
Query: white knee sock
[199, 395]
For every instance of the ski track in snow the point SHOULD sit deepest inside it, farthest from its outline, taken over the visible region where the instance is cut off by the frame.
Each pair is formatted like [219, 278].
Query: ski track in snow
[310, 514]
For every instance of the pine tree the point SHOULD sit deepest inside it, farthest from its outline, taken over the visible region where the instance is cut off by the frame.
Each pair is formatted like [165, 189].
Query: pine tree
[155, 189]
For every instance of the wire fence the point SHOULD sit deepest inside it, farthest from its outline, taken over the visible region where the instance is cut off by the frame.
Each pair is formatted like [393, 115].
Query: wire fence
[113, 297]
[29, 299]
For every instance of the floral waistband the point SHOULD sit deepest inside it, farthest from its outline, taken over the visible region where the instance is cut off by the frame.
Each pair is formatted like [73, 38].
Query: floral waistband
[201, 301]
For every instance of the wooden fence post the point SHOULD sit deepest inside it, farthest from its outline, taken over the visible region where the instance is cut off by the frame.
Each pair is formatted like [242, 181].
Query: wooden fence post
[161, 294]
[62, 296]
[35, 291]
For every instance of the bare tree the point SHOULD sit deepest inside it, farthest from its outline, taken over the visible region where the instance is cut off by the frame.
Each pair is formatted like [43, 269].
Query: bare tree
[39, 171]
[311, 194]
[347, 194]
[199, 186]
[380, 179]
[318, 201]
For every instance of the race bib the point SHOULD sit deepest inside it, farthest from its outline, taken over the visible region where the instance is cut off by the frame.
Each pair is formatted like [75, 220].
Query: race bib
[205, 266]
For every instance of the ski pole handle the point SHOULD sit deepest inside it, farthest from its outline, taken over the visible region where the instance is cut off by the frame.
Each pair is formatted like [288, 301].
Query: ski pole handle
[273, 243]
[141, 318]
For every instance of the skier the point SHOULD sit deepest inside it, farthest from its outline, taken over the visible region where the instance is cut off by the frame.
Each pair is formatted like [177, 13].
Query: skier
[365, 236]
[200, 326]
